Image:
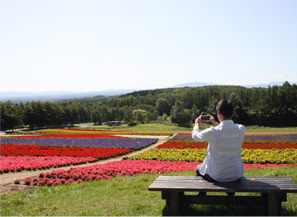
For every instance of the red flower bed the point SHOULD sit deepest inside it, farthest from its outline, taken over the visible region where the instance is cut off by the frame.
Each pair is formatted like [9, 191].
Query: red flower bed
[124, 168]
[38, 150]
[271, 145]
[17, 164]
[183, 145]
[247, 144]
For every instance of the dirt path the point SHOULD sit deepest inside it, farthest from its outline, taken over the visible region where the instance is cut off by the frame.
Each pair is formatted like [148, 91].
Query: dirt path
[7, 185]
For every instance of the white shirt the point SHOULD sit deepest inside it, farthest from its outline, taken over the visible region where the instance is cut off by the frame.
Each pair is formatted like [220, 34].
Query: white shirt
[223, 160]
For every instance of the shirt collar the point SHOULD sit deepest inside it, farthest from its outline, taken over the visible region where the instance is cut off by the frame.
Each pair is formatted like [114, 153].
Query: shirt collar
[226, 122]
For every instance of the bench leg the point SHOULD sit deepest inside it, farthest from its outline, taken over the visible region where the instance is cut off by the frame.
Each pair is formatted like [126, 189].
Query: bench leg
[275, 203]
[173, 203]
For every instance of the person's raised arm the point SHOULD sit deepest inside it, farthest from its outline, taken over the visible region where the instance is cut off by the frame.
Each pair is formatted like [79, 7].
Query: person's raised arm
[205, 135]
[198, 121]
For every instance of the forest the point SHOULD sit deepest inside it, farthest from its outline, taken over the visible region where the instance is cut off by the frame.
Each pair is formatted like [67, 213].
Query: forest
[273, 106]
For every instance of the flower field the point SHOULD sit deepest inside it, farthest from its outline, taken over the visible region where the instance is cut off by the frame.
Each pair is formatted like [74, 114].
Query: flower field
[274, 149]
[180, 153]
[33, 152]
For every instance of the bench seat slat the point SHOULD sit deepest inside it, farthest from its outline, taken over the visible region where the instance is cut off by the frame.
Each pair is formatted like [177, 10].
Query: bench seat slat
[246, 184]
[195, 178]
[285, 182]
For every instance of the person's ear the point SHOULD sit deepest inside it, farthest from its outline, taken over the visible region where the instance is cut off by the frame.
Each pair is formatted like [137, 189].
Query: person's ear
[219, 115]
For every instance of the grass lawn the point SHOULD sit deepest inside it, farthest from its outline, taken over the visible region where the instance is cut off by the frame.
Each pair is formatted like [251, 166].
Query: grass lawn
[125, 196]
[169, 127]
[148, 127]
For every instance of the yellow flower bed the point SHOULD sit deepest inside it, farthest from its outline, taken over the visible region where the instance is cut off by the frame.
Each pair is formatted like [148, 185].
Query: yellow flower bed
[171, 155]
[288, 156]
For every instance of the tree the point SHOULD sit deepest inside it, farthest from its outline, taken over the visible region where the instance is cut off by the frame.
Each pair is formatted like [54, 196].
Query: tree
[139, 115]
[96, 117]
[29, 116]
[212, 103]
[194, 113]
[71, 114]
[10, 116]
[84, 113]
[163, 106]
[57, 115]
[179, 115]
[105, 115]
[40, 114]
[128, 117]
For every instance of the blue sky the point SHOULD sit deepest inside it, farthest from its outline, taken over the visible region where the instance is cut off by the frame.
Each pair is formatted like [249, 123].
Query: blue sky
[87, 45]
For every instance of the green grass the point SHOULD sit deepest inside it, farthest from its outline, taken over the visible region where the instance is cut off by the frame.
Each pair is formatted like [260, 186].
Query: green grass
[148, 127]
[124, 196]
[169, 127]
[257, 129]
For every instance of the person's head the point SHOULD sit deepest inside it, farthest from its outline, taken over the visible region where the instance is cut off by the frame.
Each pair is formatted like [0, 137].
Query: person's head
[224, 110]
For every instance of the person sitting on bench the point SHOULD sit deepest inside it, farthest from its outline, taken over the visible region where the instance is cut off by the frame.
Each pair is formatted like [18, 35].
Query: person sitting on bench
[222, 162]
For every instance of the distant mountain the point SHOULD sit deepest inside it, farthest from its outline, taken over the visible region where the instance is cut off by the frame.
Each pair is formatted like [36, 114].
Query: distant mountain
[58, 96]
[193, 84]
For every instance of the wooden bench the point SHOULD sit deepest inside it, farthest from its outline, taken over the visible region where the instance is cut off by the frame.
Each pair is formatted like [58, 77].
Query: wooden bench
[273, 192]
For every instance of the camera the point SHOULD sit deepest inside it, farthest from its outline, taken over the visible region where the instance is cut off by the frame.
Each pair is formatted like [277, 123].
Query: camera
[205, 118]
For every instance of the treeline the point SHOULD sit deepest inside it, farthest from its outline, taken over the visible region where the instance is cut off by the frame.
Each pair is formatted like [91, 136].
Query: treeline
[273, 106]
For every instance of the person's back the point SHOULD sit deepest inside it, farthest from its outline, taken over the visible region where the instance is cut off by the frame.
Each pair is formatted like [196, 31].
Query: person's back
[223, 158]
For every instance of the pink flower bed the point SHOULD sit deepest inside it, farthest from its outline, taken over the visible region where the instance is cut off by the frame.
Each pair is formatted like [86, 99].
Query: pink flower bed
[13, 164]
[123, 168]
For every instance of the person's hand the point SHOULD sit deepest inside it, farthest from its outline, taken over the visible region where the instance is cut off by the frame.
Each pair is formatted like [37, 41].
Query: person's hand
[212, 120]
[198, 121]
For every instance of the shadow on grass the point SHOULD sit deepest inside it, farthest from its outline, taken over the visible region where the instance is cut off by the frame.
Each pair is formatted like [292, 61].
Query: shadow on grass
[232, 210]
[223, 210]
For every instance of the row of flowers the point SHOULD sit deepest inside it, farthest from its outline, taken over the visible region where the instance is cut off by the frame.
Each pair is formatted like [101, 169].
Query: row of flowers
[17, 164]
[248, 144]
[249, 136]
[75, 136]
[38, 150]
[262, 156]
[119, 168]
[106, 132]
[130, 143]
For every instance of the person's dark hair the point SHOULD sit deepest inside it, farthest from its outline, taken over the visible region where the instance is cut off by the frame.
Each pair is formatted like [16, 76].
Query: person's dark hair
[225, 107]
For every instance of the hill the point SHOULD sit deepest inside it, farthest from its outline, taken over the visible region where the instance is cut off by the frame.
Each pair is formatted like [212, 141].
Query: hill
[63, 96]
